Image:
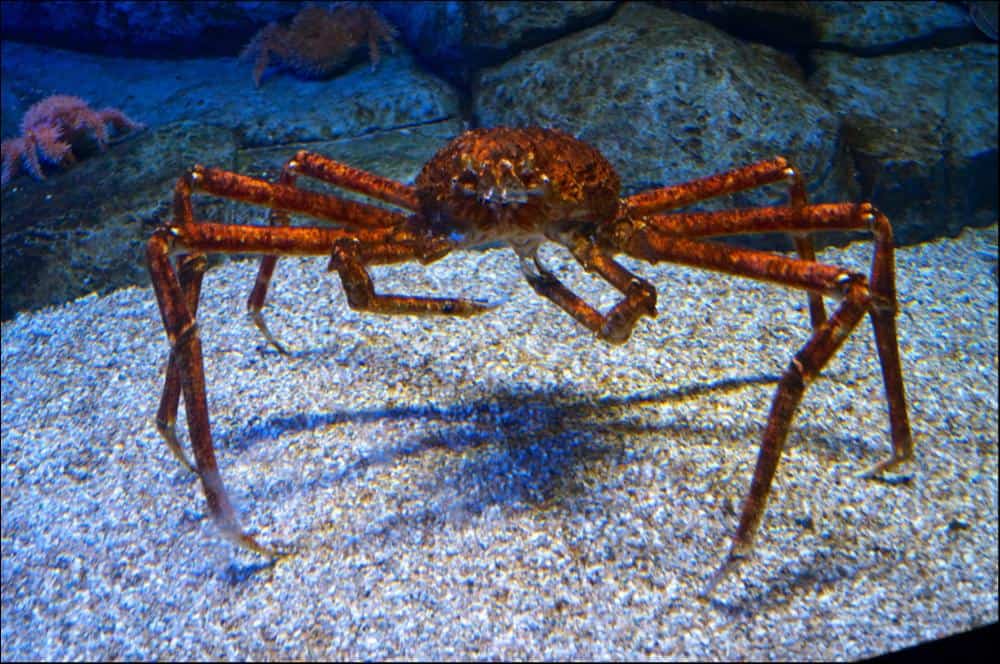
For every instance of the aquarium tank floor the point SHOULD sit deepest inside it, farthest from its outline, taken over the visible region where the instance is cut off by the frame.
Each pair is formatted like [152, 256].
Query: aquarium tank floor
[503, 487]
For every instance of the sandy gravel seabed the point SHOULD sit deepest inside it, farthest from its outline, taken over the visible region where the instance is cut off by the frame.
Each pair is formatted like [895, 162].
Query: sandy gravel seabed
[502, 487]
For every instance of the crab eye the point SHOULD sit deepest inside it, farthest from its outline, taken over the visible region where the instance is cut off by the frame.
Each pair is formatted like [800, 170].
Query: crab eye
[463, 162]
[528, 164]
[464, 183]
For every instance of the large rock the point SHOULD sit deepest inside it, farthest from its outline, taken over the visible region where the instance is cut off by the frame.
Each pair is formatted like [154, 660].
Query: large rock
[923, 131]
[454, 39]
[220, 90]
[140, 27]
[857, 27]
[85, 230]
[668, 98]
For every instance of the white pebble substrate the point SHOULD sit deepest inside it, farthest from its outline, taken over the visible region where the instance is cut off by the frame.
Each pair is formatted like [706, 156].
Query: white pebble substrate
[503, 487]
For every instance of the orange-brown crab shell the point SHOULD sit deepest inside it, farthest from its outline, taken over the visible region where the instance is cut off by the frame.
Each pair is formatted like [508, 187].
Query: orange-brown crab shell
[490, 183]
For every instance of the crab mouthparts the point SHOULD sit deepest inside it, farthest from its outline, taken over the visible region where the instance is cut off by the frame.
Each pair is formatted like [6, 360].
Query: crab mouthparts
[499, 184]
[503, 196]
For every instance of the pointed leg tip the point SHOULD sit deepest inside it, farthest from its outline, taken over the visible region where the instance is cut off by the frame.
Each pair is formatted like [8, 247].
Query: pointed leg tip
[168, 432]
[258, 320]
[885, 470]
[739, 553]
[489, 305]
[250, 543]
[282, 349]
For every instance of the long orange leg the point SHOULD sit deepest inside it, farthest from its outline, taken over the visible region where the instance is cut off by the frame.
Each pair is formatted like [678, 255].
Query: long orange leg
[729, 182]
[191, 268]
[354, 179]
[335, 173]
[185, 350]
[283, 198]
[289, 198]
[177, 298]
[836, 216]
[885, 307]
[804, 367]
[255, 302]
[663, 239]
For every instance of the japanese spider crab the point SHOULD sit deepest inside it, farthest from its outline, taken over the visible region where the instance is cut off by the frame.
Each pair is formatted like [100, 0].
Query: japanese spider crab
[522, 187]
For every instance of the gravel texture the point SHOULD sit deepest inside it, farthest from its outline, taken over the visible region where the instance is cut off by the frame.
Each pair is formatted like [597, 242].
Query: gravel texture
[502, 487]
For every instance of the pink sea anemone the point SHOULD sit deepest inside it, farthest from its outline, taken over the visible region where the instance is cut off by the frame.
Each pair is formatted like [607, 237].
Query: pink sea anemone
[51, 128]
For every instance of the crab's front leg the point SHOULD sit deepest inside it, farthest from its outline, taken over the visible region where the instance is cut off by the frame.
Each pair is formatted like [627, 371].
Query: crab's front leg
[663, 238]
[614, 326]
[755, 175]
[350, 257]
[187, 364]
[177, 296]
[191, 268]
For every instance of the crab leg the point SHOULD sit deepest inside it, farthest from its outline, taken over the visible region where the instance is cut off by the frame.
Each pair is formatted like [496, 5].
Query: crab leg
[354, 179]
[350, 257]
[335, 173]
[747, 177]
[804, 367]
[729, 182]
[615, 326]
[663, 240]
[191, 268]
[255, 302]
[177, 295]
[806, 219]
[185, 350]
[283, 197]
[883, 316]
[289, 198]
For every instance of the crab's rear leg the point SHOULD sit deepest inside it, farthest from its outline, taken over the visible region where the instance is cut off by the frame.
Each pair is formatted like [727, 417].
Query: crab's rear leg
[338, 174]
[663, 239]
[755, 175]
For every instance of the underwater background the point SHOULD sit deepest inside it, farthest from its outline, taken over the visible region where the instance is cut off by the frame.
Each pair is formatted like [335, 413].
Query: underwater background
[506, 487]
[889, 102]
